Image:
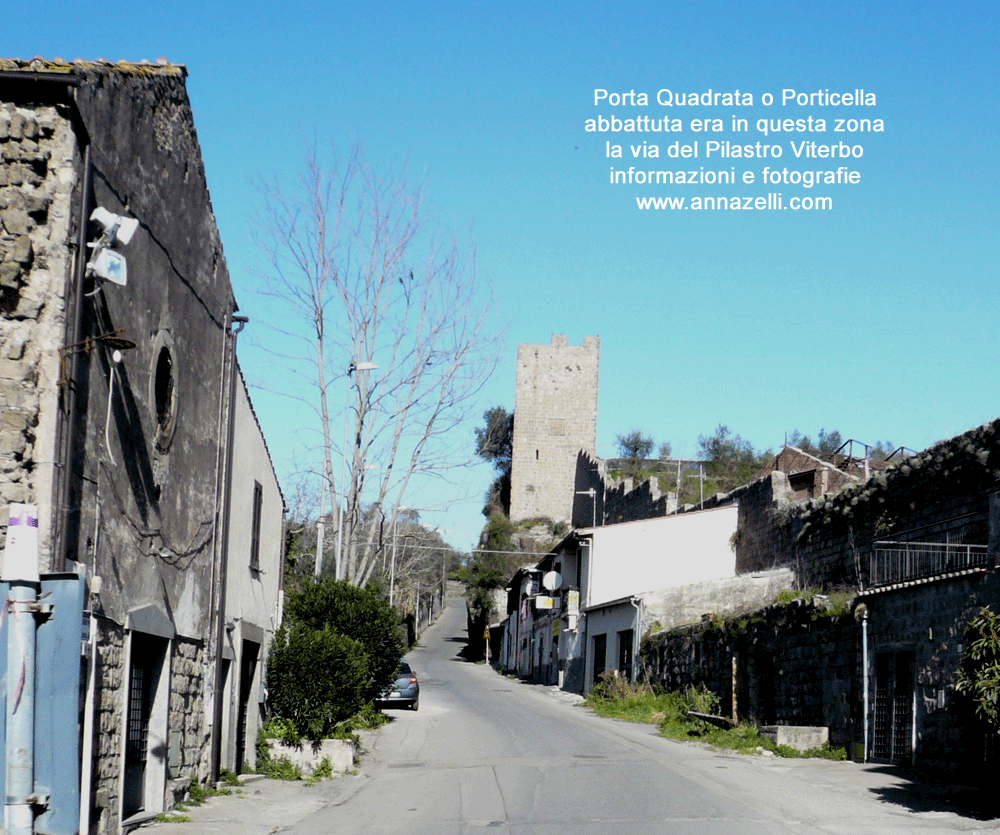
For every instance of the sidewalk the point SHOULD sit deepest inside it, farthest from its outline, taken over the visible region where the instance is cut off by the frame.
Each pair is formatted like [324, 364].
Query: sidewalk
[257, 808]
[262, 806]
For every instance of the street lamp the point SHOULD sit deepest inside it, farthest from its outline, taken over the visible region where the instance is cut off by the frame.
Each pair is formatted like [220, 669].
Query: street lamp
[354, 366]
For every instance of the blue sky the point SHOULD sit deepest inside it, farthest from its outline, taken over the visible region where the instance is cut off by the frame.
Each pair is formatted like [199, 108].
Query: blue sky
[877, 318]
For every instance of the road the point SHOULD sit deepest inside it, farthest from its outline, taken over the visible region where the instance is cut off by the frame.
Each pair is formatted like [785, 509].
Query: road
[486, 753]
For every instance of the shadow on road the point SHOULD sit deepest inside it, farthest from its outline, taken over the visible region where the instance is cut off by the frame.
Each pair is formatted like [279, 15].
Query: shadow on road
[921, 793]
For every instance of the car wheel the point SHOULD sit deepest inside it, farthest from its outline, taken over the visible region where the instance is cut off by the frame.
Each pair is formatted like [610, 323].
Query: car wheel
[415, 704]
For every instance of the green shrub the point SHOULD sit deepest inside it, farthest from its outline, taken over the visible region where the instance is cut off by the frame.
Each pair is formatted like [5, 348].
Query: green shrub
[316, 678]
[323, 771]
[669, 711]
[615, 687]
[230, 778]
[282, 769]
[198, 794]
[979, 673]
[363, 615]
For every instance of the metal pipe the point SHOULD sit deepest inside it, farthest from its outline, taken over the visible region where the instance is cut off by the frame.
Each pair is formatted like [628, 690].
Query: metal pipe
[59, 543]
[224, 553]
[20, 570]
[864, 679]
[636, 634]
[19, 814]
[86, 753]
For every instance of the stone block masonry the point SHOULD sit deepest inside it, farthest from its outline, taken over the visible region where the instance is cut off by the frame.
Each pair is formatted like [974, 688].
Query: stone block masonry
[555, 417]
[189, 760]
[109, 722]
[37, 175]
[794, 664]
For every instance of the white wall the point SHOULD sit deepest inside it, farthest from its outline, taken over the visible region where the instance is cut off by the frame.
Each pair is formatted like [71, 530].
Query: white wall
[665, 552]
[252, 597]
[608, 621]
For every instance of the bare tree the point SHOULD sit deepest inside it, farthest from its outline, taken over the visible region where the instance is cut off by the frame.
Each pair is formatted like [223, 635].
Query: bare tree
[373, 307]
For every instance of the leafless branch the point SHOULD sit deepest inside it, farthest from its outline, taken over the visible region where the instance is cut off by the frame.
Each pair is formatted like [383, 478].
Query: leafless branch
[354, 275]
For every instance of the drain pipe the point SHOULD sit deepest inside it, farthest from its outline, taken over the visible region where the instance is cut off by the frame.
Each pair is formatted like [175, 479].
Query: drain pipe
[216, 749]
[60, 523]
[20, 570]
[864, 677]
[636, 636]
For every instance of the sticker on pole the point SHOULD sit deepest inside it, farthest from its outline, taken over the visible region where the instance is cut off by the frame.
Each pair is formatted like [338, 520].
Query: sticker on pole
[20, 561]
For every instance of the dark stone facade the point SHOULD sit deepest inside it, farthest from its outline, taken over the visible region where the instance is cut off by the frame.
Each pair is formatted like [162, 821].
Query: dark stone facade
[768, 658]
[122, 454]
[798, 666]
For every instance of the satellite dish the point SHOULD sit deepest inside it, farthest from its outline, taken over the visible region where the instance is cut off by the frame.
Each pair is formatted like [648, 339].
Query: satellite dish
[552, 580]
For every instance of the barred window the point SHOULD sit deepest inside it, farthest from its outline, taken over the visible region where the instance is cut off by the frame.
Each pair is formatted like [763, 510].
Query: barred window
[258, 508]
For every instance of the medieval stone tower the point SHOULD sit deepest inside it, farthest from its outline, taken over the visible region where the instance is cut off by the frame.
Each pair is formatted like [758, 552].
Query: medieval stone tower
[555, 417]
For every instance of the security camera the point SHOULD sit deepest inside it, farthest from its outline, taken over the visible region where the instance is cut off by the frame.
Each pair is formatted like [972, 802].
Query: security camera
[116, 227]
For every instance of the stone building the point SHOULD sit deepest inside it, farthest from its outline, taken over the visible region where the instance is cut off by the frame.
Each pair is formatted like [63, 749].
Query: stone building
[555, 418]
[901, 562]
[118, 390]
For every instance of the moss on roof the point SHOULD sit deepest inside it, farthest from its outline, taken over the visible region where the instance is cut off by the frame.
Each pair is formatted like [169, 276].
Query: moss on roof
[58, 65]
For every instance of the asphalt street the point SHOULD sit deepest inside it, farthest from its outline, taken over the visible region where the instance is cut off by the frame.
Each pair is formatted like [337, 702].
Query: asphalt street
[488, 753]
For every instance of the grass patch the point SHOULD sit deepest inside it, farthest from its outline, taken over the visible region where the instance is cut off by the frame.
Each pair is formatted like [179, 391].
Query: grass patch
[198, 794]
[323, 771]
[616, 699]
[230, 778]
[169, 817]
[281, 768]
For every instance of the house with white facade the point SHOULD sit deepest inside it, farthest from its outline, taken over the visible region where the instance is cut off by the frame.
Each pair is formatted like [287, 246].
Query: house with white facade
[585, 606]
[254, 587]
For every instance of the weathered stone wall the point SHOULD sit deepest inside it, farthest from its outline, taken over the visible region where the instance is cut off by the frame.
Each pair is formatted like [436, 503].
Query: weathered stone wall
[555, 416]
[145, 474]
[929, 620]
[939, 495]
[109, 725]
[37, 178]
[625, 502]
[670, 608]
[795, 664]
[144, 432]
[186, 719]
[763, 539]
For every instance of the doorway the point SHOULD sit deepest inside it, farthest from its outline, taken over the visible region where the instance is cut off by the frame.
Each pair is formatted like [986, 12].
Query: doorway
[892, 740]
[145, 726]
[248, 671]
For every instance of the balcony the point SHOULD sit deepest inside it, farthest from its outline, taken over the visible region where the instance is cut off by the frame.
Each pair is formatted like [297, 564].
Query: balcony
[898, 562]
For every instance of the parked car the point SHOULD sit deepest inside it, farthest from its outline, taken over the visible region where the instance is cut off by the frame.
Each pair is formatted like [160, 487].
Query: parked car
[404, 690]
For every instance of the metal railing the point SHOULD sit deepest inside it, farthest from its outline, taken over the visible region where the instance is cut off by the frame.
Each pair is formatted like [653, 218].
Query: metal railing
[895, 562]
